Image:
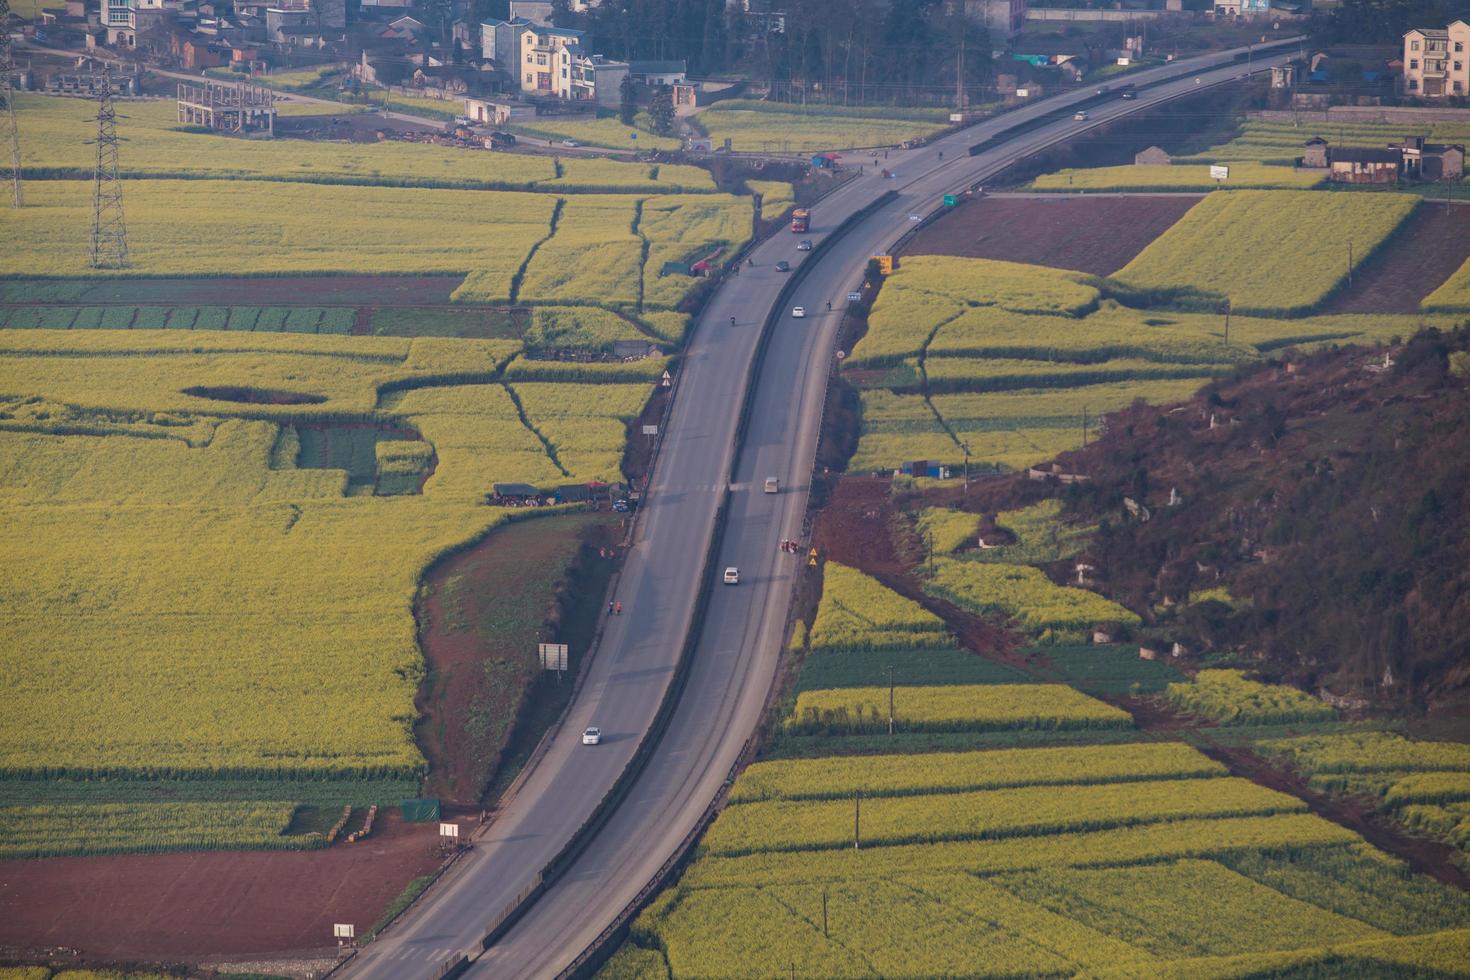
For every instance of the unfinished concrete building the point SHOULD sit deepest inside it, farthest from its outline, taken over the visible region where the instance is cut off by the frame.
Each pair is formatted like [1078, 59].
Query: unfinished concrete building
[228, 107]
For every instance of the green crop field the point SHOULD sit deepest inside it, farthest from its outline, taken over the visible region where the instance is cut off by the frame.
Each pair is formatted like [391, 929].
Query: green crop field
[605, 130]
[753, 126]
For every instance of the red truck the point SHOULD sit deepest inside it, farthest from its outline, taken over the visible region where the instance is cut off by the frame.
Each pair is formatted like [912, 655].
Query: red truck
[800, 219]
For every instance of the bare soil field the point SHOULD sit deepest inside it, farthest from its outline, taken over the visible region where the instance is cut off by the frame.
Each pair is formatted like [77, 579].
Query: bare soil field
[158, 907]
[1416, 261]
[1097, 234]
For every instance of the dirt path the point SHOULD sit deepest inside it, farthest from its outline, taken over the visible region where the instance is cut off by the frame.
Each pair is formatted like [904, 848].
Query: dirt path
[1432, 244]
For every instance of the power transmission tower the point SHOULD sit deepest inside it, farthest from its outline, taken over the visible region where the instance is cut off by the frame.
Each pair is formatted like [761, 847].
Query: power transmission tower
[109, 232]
[10, 134]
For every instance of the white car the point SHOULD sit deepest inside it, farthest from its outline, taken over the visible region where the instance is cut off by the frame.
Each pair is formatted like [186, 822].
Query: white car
[805, 245]
[732, 576]
[570, 143]
[798, 311]
[1080, 117]
[772, 485]
[592, 736]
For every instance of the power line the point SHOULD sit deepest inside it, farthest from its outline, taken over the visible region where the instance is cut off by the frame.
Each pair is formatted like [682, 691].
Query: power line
[109, 248]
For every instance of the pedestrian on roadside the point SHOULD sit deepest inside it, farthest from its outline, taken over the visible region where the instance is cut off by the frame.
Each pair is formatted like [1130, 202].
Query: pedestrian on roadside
[620, 609]
[609, 608]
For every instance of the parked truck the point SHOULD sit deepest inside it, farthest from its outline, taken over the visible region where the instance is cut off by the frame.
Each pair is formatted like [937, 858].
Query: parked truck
[800, 219]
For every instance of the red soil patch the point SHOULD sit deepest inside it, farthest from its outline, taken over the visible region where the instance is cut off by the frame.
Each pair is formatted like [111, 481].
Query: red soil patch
[178, 906]
[1432, 243]
[1094, 234]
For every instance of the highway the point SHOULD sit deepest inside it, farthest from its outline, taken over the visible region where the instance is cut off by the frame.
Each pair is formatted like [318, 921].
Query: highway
[738, 649]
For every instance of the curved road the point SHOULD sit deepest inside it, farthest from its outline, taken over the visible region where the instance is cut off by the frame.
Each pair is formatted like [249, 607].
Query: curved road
[739, 647]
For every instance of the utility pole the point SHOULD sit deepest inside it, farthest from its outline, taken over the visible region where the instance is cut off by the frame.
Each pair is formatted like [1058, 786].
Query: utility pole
[959, 75]
[7, 119]
[1084, 426]
[824, 913]
[890, 699]
[109, 248]
[966, 447]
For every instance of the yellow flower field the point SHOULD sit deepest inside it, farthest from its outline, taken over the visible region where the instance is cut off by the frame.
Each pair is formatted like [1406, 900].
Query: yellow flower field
[956, 707]
[182, 599]
[1221, 249]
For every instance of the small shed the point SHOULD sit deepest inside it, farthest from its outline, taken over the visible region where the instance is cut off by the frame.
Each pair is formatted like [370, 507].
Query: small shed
[1152, 157]
[1314, 154]
[634, 349]
[676, 269]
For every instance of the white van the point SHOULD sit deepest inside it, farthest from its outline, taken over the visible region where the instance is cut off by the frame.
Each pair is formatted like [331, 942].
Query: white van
[771, 485]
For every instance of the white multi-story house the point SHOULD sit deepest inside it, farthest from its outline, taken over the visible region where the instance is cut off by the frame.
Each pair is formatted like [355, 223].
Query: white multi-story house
[536, 60]
[1437, 62]
[590, 77]
[500, 41]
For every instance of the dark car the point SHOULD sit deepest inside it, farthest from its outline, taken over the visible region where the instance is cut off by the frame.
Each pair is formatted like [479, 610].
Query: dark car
[783, 266]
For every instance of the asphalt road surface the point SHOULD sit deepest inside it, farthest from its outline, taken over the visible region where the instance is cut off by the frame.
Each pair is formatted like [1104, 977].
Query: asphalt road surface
[741, 640]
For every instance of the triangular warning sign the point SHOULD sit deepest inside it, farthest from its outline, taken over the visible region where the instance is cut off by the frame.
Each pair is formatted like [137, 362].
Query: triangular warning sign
[813, 553]
[811, 563]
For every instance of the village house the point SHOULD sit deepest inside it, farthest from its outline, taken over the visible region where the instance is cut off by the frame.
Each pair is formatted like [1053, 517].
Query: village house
[1437, 61]
[1363, 165]
[1430, 161]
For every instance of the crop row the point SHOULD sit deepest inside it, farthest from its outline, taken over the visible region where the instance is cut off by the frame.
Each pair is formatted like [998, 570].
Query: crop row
[1228, 697]
[1368, 752]
[270, 319]
[954, 707]
[946, 530]
[836, 777]
[1023, 593]
[1122, 845]
[793, 825]
[110, 828]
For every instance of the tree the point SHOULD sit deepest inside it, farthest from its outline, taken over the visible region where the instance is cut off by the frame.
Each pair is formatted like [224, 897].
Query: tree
[628, 107]
[662, 110]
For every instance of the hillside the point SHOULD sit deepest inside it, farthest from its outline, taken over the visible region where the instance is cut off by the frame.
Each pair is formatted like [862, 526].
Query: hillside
[1323, 522]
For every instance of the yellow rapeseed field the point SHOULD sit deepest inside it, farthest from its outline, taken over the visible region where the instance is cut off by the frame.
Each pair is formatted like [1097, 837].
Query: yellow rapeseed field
[955, 707]
[181, 599]
[1222, 247]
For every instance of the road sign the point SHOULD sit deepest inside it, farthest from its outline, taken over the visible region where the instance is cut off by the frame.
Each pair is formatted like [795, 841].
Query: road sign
[632, 136]
[915, 217]
[650, 430]
[811, 563]
[449, 830]
[668, 380]
[812, 553]
[950, 200]
[1219, 173]
[342, 930]
[553, 656]
[854, 297]
[841, 354]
